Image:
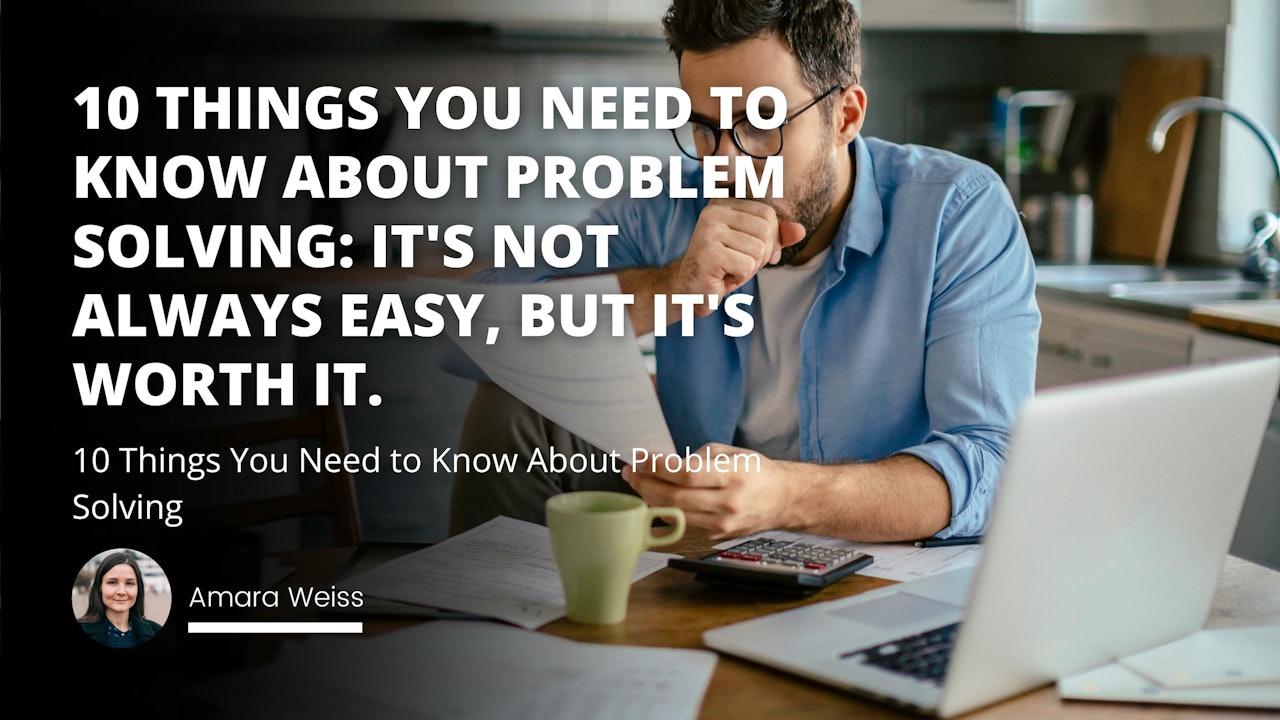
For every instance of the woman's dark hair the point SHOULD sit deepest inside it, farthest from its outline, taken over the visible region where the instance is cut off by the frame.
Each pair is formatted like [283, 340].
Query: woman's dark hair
[97, 609]
[822, 34]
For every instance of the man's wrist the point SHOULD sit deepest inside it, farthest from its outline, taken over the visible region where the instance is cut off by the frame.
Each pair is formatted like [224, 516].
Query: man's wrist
[667, 279]
[647, 285]
[798, 483]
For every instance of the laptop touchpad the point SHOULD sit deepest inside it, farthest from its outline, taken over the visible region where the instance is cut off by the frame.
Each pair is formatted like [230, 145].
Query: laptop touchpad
[894, 610]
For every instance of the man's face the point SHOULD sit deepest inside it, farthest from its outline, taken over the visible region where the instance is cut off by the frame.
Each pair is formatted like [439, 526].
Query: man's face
[808, 150]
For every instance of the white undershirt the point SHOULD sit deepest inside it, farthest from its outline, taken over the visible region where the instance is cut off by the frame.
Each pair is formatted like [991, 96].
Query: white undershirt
[770, 421]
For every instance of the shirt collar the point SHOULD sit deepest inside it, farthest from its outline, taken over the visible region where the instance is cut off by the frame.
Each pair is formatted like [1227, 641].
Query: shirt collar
[862, 227]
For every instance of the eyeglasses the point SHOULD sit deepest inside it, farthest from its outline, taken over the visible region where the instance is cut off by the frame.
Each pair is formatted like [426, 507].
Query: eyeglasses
[698, 139]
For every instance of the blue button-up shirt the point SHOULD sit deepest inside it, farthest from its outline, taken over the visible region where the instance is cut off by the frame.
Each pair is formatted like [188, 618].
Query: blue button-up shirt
[921, 338]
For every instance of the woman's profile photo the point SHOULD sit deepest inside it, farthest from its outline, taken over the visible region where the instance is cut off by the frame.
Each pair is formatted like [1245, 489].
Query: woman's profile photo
[121, 598]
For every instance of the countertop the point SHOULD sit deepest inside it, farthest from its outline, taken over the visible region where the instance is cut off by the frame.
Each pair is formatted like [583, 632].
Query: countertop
[1102, 299]
[1254, 319]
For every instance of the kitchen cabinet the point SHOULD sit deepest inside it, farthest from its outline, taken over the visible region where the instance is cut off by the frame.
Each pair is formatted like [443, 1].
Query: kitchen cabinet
[940, 14]
[1078, 16]
[1210, 346]
[1257, 535]
[570, 17]
[604, 18]
[533, 13]
[430, 10]
[1080, 342]
[644, 16]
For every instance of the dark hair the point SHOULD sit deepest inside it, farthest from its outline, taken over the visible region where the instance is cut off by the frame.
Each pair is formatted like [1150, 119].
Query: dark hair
[822, 34]
[97, 609]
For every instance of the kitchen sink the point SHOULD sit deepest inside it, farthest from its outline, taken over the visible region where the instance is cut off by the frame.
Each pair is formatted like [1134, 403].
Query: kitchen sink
[1103, 278]
[1169, 291]
[1186, 293]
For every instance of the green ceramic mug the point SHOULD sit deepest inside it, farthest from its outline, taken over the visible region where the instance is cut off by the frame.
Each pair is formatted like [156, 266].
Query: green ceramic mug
[596, 538]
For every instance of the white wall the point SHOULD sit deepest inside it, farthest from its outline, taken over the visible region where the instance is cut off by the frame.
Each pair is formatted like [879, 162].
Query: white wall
[1252, 84]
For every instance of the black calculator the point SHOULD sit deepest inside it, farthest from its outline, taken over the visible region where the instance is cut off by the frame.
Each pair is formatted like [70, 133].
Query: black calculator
[794, 567]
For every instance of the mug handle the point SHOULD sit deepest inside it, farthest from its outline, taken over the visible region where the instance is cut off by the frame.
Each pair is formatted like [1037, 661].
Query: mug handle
[673, 516]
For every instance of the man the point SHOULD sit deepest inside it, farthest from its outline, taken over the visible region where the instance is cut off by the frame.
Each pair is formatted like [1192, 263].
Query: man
[896, 323]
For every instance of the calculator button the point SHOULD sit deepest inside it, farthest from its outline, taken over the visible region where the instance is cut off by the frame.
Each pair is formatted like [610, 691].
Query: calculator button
[751, 556]
[730, 555]
[815, 565]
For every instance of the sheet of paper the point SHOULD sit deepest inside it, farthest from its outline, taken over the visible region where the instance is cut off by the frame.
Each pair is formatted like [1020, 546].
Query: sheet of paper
[1116, 682]
[598, 387]
[1223, 656]
[503, 569]
[466, 670]
[893, 561]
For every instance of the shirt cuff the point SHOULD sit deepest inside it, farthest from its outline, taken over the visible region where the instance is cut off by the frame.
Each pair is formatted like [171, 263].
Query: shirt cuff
[963, 464]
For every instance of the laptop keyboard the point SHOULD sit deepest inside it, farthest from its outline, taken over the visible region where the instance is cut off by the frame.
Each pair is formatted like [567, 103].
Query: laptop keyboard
[923, 656]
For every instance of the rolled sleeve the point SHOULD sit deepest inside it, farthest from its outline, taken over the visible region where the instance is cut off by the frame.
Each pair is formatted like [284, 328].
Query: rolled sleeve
[981, 341]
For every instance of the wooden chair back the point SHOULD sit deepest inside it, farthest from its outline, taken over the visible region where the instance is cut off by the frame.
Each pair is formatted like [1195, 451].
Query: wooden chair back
[334, 497]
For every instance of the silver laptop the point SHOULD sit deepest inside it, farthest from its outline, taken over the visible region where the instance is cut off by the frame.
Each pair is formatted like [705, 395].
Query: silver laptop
[1111, 522]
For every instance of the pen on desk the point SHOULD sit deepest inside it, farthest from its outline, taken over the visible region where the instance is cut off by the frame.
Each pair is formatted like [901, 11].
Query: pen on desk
[947, 542]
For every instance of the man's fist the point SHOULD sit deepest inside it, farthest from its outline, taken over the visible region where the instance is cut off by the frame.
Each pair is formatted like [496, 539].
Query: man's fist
[733, 240]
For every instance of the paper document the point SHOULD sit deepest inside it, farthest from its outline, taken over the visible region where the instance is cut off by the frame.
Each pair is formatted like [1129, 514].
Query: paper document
[1237, 667]
[503, 569]
[1117, 683]
[893, 561]
[598, 387]
[448, 669]
[1223, 656]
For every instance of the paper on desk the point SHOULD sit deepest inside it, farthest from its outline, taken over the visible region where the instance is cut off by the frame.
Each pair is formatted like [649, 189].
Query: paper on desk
[1221, 656]
[464, 670]
[893, 561]
[597, 387]
[1115, 682]
[502, 569]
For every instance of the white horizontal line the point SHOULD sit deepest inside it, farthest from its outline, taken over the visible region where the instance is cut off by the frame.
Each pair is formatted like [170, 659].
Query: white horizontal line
[259, 628]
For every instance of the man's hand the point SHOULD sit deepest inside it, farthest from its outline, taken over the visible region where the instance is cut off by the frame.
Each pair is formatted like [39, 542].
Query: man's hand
[733, 240]
[898, 498]
[725, 504]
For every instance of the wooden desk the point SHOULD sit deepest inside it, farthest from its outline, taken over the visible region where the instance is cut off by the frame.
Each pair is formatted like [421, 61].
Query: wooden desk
[670, 609]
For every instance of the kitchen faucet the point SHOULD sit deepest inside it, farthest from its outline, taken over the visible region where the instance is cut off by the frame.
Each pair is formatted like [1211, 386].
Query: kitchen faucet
[1262, 254]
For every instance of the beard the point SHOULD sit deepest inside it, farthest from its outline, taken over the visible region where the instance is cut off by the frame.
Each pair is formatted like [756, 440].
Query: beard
[813, 202]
